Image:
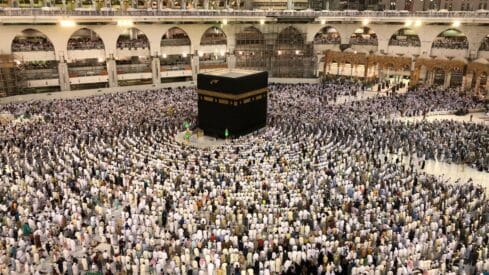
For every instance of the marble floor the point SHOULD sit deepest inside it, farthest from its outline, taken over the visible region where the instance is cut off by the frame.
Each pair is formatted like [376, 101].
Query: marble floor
[456, 173]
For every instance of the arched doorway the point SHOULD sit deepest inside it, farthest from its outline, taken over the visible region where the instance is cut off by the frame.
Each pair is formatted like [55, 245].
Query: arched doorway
[133, 58]
[439, 78]
[405, 37]
[250, 49]
[175, 51]
[364, 39]
[35, 55]
[292, 57]
[456, 78]
[327, 38]
[405, 41]
[450, 43]
[213, 48]
[87, 66]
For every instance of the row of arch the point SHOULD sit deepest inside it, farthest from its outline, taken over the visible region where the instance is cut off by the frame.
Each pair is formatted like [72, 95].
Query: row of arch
[403, 37]
[85, 38]
[175, 36]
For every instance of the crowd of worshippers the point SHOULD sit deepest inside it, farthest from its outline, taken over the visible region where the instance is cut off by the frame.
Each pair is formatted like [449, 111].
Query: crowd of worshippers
[32, 44]
[85, 43]
[451, 43]
[99, 185]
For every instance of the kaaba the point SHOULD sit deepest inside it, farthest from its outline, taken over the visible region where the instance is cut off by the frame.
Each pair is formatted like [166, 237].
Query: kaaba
[232, 102]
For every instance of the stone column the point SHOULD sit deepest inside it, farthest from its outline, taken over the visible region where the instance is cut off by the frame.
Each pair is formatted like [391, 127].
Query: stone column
[477, 85]
[155, 69]
[468, 80]
[194, 62]
[448, 77]
[430, 75]
[231, 60]
[112, 72]
[290, 4]
[64, 76]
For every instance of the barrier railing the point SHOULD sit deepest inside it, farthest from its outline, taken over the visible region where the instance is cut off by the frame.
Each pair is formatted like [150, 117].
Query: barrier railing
[237, 13]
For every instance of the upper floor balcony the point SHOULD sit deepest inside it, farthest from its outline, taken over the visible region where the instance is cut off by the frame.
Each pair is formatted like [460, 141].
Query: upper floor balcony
[158, 15]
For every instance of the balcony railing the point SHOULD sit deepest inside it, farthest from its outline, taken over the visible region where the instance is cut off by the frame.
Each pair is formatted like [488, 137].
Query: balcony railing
[239, 13]
[87, 71]
[175, 42]
[41, 74]
[133, 68]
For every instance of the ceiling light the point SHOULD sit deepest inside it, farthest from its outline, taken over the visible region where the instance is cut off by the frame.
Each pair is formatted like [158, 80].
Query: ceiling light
[125, 23]
[67, 23]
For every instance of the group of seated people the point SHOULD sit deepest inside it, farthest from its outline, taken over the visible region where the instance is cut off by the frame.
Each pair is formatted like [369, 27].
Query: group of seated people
[139, 43]
[175, 39]
[327, 38]
[32, 45]
[85, 43]
[410, 41]
[99, 184]
[213, 39]
[450, 43]
[371, 40]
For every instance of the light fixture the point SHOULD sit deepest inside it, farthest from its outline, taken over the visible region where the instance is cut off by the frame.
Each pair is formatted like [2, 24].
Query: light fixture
[456, 24]
[184, 55]
[100, 59]
[408, 23]
[240, 52]
[418, 23]
[222, 53]
[164, 55]
[279, 52]
[323, 22]
[201, 54]
[262, 21]
[224, 21]
[67, 23]
[365, 22]
[297, 52]
[125, 23]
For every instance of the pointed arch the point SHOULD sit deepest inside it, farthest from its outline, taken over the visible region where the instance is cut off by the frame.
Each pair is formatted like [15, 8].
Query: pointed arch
[132, 38]
[31, 40]
[213, 36]
[364, 36]
[175, 36]
[291, 37]
[85, 39]
[250, 36]
[451, 39]
[327, 35]
[405, 37]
